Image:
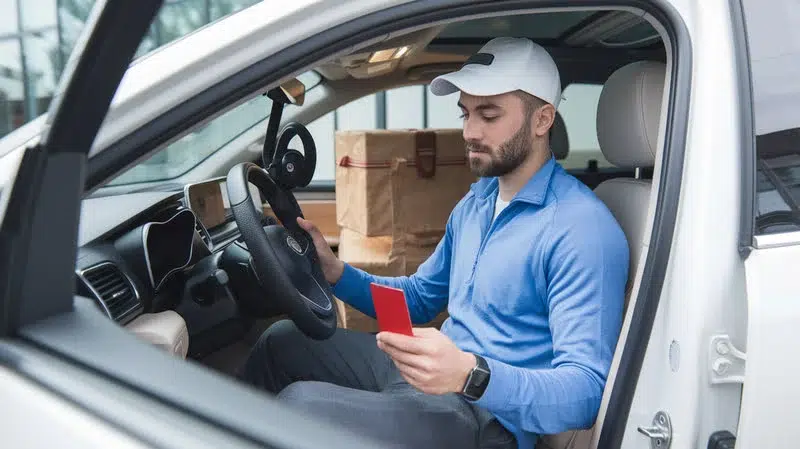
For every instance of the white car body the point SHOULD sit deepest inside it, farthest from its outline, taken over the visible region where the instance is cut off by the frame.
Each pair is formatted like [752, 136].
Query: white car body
[711, 291]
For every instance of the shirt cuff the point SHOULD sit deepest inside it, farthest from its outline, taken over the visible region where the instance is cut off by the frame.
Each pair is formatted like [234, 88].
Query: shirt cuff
[347, 282]
[496, 395]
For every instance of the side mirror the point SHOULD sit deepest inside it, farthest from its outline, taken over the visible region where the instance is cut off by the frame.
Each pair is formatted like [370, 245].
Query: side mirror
[290, 92]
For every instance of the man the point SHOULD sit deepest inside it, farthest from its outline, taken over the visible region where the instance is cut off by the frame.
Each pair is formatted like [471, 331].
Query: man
[532, 270]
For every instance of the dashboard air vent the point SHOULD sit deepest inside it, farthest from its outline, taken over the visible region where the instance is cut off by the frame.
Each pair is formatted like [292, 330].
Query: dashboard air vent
[203, 232]
[111, 287]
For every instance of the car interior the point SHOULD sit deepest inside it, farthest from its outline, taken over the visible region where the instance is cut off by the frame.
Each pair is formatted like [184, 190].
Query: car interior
[167, 260]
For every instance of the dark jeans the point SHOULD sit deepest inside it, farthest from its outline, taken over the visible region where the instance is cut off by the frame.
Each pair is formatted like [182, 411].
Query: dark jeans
[349, 381]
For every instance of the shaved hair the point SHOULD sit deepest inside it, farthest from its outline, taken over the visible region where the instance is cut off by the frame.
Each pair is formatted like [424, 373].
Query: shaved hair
[532, 103]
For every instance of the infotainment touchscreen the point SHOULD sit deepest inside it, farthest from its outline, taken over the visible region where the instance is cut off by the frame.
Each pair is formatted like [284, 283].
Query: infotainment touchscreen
[209, 201]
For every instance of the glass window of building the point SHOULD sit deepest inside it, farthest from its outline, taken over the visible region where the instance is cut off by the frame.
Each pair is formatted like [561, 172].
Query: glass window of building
[37, 37]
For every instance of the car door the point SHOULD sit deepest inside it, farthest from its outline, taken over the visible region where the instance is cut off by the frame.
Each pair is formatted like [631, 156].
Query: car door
[67, 374]
[64, 345]
[772, 266]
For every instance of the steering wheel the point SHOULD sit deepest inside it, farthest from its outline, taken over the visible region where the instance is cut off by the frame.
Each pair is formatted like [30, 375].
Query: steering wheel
[283, 257]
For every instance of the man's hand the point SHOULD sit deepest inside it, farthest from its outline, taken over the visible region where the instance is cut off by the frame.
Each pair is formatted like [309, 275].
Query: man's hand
[429, 361]
[332, 267]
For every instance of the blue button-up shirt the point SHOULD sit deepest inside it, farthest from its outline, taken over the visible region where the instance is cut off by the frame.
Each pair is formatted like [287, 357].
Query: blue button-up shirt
[538, 292]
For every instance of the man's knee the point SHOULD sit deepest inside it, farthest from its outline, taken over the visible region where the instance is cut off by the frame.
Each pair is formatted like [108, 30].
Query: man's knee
[259, 364]
[305, 392]
[280, 334]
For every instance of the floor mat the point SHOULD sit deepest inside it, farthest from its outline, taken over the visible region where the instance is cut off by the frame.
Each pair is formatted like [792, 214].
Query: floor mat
[229, 359]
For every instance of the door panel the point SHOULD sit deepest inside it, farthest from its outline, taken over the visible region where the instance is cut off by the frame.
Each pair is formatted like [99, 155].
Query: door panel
[770, 382]
[71, 426]
[771, 391]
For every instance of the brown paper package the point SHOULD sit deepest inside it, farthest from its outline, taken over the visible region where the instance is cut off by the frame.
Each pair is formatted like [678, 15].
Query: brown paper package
[393, 201]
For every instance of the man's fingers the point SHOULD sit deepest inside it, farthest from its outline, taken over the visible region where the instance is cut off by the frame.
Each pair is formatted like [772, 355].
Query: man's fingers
[404, 343]
[307, 225]
[411, 380]
[413, 375]
[419, 380]
[311, 228]
[418, 362]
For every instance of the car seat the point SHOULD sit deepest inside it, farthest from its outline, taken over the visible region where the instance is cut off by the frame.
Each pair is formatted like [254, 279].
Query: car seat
[628, 117]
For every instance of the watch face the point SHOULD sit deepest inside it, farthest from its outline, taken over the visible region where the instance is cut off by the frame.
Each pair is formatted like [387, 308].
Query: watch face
[476, 383]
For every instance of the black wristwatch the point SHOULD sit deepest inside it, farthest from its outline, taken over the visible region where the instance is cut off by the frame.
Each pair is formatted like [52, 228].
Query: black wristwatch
[477, 380]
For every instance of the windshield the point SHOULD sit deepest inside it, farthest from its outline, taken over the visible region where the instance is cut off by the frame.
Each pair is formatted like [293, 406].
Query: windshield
[193, 148]
[37, 37]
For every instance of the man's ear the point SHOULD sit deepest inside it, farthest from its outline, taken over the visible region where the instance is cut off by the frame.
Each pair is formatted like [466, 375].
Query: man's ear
[543, 120]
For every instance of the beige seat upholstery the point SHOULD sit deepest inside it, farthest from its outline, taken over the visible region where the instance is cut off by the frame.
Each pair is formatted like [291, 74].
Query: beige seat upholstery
[166, 330]
[627, 128]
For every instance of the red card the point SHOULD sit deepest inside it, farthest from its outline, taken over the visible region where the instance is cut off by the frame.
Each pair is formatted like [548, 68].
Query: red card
[391, 309]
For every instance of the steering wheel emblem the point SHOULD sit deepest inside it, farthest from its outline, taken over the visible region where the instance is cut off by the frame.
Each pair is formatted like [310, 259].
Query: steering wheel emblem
[294, 245]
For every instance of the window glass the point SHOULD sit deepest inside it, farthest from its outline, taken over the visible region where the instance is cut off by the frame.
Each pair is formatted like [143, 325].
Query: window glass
[404, 107]
[193, 148]
[536, 26]
[443, 112]
[578, 108]
[29, 61]
[774, 45]
[358, 114]
[322, 130]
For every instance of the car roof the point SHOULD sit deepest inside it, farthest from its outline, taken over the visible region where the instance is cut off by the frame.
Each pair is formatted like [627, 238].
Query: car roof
[586, 45]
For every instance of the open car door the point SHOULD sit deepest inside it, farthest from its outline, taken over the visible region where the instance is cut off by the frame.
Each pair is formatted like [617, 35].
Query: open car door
[771, 235]
[773, 313]
[68, 374]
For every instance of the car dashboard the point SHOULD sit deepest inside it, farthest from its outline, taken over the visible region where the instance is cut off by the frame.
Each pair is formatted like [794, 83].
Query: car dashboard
[150, 252]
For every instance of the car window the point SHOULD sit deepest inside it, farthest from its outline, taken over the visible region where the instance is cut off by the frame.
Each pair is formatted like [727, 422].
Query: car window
[414, 107]
[185, 153]
[578, 108]
[774, 49]
[37, 38]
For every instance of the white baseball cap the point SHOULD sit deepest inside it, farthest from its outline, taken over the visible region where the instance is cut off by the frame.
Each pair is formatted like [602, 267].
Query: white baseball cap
[503, 65]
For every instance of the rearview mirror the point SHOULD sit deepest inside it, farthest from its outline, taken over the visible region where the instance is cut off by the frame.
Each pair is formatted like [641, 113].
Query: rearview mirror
[290, 92]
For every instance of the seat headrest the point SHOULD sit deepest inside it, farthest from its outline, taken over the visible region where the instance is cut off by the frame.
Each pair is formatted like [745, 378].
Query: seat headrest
[559, 141]
[629, 112]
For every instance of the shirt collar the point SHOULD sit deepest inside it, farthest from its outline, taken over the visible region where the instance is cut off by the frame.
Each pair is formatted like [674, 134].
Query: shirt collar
[534, 191]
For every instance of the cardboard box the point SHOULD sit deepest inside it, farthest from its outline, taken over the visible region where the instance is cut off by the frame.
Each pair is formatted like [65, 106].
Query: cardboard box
[418, 175]
[383, 256]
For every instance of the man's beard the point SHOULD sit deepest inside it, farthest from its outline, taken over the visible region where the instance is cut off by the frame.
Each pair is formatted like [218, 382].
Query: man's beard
[511, 154]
